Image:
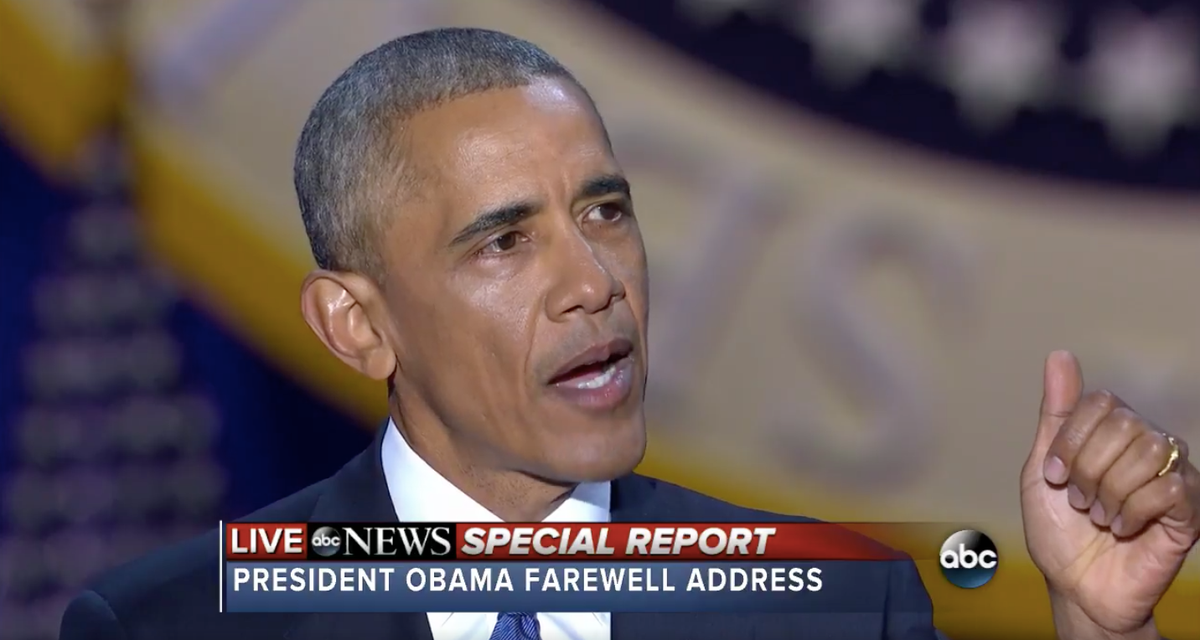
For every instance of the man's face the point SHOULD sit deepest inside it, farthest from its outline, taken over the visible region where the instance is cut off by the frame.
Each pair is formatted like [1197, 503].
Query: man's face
[517, 285]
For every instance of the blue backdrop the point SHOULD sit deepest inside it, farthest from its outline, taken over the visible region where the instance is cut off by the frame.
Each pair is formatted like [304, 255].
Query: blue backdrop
[128, 417]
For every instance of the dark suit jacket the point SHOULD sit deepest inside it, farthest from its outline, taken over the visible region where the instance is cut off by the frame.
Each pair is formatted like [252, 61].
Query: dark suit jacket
[172, 594]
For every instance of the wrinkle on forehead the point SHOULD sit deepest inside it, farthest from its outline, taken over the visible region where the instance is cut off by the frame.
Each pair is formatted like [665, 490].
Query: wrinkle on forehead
[528, 124]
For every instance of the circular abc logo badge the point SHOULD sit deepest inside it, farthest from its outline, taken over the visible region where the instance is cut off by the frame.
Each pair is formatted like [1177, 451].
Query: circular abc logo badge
[325, 541]
[969, 559]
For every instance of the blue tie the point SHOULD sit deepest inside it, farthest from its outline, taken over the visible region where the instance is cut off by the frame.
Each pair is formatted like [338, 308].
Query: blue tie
[517, 626]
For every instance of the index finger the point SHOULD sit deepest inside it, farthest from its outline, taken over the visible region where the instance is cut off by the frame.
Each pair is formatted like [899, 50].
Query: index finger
[1075, 432]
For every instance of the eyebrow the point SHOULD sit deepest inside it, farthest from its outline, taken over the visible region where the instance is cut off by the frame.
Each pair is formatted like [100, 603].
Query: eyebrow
[605, 185]
[509, 214]
[493, 219]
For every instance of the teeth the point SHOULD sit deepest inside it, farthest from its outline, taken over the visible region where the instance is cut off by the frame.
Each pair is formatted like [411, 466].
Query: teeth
[604, 378]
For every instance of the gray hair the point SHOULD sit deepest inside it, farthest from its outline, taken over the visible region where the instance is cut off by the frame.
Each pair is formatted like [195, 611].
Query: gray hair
[350, 150]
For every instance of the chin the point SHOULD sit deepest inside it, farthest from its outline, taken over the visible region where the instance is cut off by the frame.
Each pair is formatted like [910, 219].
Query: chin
[611, 455]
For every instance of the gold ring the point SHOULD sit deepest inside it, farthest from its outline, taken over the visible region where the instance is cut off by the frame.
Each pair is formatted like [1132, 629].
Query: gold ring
[1171, 459]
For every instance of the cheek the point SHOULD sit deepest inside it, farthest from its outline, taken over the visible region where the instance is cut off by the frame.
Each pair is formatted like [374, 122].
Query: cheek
[504, 316]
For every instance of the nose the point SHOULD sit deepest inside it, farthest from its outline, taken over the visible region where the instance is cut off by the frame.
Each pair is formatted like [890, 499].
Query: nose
[583, 282]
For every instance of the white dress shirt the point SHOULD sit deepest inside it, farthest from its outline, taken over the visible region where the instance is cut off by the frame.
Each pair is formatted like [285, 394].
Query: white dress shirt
[420, 494]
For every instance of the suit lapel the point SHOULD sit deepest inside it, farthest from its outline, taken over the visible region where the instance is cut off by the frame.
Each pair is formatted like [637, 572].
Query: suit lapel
[358, 493]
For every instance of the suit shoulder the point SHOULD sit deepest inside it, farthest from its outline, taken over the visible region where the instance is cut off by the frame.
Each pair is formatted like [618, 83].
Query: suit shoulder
[187, 572]
[685, 504]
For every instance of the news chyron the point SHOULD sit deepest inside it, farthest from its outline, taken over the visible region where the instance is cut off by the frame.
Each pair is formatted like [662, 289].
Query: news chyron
[568, 567]
[343, 542]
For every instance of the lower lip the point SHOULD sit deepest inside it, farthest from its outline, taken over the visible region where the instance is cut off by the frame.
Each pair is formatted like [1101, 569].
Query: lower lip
[607, 396]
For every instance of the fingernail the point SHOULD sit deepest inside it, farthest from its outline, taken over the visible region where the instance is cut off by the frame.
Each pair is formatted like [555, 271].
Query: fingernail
[1116, 525]
[1055, 471]
[1075, 497]
[1098, 513]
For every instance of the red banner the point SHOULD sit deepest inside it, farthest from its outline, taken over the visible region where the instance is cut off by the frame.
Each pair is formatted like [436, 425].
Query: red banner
[667, 541]
[575, 541]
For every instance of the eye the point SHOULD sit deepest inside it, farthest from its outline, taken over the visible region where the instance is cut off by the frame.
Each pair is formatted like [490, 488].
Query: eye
[503, 243]
[607, 212]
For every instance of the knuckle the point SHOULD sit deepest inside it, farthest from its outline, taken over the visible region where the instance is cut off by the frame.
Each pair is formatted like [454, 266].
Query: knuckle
[1086, 475]
[1127, 422]
[1073, 439]
[1174, 488]
[1104, 400]
[1158, 447]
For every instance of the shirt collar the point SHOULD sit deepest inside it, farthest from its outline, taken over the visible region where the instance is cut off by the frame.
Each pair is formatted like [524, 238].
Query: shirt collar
[421, 494]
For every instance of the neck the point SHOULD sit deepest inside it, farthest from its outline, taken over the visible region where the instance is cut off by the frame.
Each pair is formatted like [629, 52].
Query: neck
[512, 495]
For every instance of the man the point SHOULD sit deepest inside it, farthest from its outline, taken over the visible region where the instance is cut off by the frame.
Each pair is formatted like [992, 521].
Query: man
[479, 251]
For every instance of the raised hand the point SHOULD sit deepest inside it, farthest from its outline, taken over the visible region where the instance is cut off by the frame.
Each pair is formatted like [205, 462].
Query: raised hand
[1111, 508]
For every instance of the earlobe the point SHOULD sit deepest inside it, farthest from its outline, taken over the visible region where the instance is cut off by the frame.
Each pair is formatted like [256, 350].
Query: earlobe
[337, 307]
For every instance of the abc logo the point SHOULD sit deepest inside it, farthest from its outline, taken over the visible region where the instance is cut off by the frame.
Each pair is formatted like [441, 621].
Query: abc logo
[325, 541]
[969, 559]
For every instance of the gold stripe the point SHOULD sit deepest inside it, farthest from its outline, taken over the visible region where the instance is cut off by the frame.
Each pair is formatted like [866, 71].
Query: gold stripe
[51, 99]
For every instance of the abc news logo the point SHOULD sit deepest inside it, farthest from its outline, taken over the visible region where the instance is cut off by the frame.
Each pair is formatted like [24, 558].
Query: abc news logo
[326, 541]
[969, 559]
[366, 541]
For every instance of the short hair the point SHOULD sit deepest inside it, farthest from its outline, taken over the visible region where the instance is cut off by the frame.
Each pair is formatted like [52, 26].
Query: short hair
[350, 150]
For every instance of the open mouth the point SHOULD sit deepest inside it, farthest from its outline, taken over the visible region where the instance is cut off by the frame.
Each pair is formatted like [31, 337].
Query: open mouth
[595, 368]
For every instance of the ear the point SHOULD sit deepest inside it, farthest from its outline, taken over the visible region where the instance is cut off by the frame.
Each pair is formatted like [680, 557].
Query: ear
[337, 307]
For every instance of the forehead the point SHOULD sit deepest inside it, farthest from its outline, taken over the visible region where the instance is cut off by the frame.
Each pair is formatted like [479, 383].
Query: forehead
[486, 149]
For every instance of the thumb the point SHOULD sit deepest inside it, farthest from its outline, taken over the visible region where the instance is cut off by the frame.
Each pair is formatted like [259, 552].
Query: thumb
[1062, 386]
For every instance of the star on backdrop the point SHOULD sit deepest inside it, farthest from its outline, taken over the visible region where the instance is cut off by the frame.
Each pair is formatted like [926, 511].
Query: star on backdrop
[999, 56]
[1141, 78]
[852, 37]
[1140, 75]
